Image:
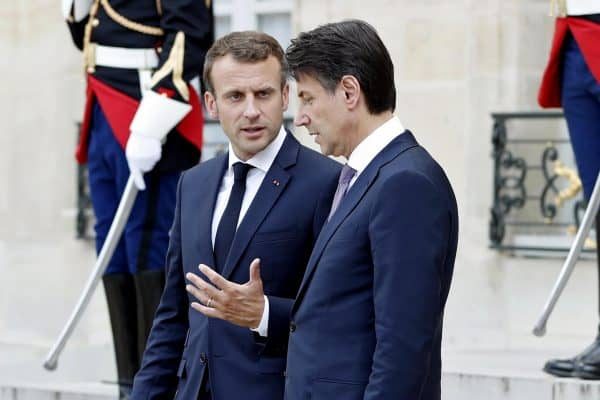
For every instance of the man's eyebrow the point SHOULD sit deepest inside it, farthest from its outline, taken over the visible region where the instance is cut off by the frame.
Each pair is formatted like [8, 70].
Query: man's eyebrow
[231, 91]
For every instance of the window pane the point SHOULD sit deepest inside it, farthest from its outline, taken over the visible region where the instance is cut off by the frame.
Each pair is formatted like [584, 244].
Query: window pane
[222, 25]
[278, 26]
[215, 140]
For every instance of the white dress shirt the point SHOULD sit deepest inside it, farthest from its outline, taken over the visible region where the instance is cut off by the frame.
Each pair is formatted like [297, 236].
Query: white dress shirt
[261, 162]
[372, 145]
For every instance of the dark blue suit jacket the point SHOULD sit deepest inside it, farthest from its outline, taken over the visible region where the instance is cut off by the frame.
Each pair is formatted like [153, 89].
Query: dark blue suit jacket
[367, 322]
[280, 227]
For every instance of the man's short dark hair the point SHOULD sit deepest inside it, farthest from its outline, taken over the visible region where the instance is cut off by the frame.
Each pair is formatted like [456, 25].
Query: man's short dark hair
[350, 47]
[245, 46]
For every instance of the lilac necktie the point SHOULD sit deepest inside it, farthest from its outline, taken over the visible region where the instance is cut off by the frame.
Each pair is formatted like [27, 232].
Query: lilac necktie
[345, 177]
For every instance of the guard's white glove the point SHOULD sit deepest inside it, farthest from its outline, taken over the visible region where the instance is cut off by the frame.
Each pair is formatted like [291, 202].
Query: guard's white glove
[153, 120]
[142, 152]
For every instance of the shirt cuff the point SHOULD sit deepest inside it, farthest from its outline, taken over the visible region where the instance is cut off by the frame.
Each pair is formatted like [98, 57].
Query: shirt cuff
[263, 326]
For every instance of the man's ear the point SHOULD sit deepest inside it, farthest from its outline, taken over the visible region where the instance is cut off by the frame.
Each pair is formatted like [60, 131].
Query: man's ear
[285, 96]
[211, 104]
[351, 90]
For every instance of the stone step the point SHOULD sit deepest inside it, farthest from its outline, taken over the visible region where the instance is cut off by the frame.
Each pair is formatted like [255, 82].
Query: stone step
[455, 386]
[463, 386]
[66, 391]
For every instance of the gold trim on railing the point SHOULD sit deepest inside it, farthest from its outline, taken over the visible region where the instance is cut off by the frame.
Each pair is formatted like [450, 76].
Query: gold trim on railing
[574, 183]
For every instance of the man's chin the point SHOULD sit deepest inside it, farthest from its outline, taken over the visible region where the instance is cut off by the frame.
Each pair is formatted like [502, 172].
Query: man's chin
[324, 149]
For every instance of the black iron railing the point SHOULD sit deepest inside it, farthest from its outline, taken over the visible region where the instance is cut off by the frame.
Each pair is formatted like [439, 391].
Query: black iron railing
[537, 197]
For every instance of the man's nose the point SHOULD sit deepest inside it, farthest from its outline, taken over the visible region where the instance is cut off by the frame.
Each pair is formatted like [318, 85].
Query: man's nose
[251, 111]
[301, 120]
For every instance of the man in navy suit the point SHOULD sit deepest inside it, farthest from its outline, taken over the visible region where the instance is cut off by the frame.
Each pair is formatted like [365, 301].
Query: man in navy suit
[266, 198]
[367, 321]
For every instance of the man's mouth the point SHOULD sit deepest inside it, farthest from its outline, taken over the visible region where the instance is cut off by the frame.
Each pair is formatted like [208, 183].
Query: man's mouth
[252, 130]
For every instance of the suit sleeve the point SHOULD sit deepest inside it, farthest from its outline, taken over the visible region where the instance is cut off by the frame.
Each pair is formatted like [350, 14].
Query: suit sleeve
[275, 344]
[189, 32]
[409, 229]
[157, 378]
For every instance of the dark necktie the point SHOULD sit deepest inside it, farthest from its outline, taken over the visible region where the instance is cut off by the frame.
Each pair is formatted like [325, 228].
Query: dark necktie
[345, 177]
[229, 219]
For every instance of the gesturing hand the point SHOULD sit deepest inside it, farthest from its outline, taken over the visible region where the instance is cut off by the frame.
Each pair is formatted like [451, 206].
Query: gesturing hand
[240, 304]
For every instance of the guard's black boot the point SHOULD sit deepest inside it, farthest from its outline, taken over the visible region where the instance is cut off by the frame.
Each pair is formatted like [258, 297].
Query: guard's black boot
[563, 368]
[120, 297]
[149, 285]
[569, 367]
[589, 366]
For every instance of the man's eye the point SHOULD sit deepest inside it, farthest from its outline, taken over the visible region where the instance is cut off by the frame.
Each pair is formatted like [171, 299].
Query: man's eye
[307, 101]
[263, 94]
[235, 96]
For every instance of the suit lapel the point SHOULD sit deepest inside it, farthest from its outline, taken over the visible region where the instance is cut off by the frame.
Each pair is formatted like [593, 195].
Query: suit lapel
[270, 190]
[350, 201]
[204, 204]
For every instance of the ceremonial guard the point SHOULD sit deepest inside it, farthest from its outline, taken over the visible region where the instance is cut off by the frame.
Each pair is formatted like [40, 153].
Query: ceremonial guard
[142, 117]
[572, 81]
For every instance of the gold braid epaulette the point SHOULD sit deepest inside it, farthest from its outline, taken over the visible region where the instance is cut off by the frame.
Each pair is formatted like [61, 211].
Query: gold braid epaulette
[174, 65]
[89, 49]
[134, 26]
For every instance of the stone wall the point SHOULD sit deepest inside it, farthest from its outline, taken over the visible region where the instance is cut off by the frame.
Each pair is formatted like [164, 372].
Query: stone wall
[456, 61]
[42, 267]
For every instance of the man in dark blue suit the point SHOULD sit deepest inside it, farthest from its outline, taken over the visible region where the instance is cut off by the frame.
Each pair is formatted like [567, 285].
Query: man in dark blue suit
[267, 198]
[367, 321]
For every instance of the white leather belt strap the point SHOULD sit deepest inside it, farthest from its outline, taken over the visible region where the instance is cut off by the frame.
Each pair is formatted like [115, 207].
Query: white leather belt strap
[583, 7]
[120, 57]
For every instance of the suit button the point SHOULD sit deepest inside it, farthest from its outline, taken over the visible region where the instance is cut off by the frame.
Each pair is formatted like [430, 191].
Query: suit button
[292, 326]
[203, 358]
[95, 22]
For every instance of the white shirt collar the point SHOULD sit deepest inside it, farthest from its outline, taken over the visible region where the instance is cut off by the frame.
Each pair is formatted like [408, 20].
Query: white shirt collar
[264, 158]
[368, 149]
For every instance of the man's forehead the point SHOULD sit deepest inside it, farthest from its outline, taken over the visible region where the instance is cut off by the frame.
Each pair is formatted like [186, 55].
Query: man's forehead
[231, 74]
[228, 62]
[307, 84]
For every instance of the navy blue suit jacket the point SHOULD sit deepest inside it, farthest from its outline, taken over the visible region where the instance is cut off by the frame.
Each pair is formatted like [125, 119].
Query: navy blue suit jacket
[367, 322]
[280, 227]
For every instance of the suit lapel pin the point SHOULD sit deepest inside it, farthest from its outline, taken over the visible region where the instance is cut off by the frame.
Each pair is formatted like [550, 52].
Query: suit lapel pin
[275, 182]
